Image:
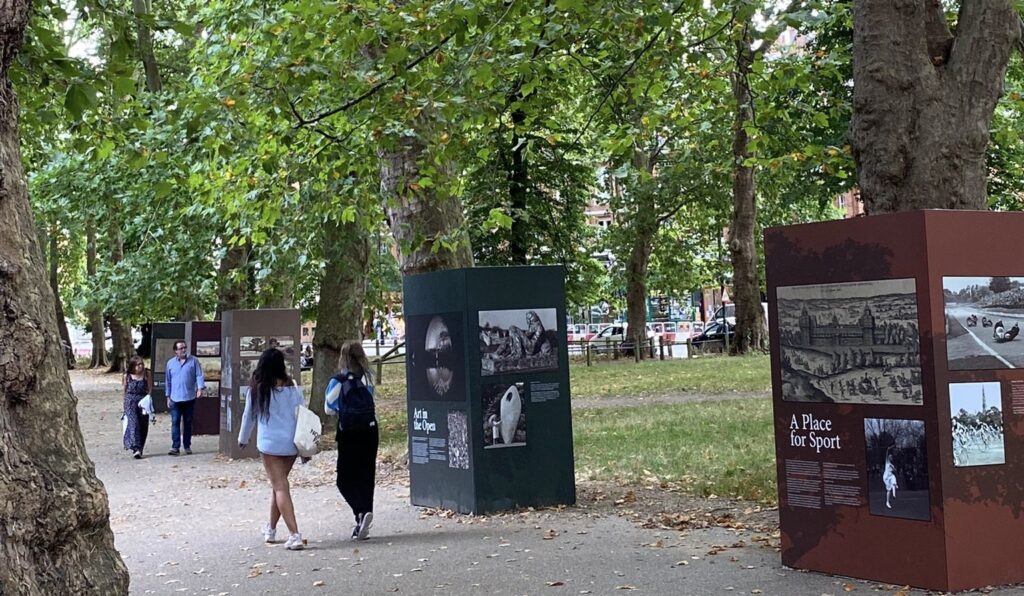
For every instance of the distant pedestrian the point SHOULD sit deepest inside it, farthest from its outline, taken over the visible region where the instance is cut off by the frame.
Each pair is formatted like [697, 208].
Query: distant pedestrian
[271, 404]
[183, 383]
[350, 394]
[137, 382]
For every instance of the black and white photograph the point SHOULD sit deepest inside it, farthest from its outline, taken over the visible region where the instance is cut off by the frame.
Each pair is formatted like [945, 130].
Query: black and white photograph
[458, 440]
[983, 319]
[521, 340]
[977, 413]
[207, 348]
[284, 343]
[436, 365]
[855, 342]
[164, 351]
[251, 346]
[897, 468]
[226, 378]
[246, 366]
[504, 414]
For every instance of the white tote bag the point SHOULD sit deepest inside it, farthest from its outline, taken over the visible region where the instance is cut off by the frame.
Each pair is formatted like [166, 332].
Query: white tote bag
[307, 431]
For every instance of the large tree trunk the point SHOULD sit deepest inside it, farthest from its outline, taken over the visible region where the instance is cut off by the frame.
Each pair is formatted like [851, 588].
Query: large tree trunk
[339, 312]
[518, 184]
[62, 323]
[750, 329]
[96, 326]
[55, 533]
[142, 8]
[636, 282]
[233, 279]
[427, 227]
[120, 330]
[923, 100]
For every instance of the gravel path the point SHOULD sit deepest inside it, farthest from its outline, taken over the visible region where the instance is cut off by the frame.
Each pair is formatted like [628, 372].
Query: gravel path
[189, 525]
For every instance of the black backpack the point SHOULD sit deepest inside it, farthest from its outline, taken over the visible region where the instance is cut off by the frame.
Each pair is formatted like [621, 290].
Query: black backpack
[355, 402]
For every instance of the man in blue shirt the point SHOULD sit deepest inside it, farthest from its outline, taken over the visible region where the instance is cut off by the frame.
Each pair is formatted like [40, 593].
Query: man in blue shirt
[184, 383]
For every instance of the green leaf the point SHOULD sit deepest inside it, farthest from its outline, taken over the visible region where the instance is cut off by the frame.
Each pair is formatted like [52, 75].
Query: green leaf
[79, 98]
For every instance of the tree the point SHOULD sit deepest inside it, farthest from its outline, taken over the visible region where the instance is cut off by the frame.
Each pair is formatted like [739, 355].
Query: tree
[56, 537]
[924, 97]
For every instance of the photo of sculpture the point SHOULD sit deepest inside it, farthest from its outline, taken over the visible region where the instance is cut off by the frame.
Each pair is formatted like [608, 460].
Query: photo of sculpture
[855, 342]
[435, 365]
[518, 340]
[207, 348]
[983, 319]
[977, 413]
[504, 414]
[458, 440]
[897, 468]
[246, 367]
[284, 343]
[251, 347]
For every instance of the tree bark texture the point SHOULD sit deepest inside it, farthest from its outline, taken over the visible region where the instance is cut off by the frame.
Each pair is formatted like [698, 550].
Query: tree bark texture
[420, 218]
[923, 100]
[233, 279]
[750, 329]
[142, 8]
[340, 310]
[518, 184]
[55, 535]
[62, 323]
[99, 345]
[120, 331]
[644, 225]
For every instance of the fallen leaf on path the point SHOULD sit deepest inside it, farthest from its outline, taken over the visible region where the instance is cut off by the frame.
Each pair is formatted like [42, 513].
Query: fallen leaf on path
[554, 583]
[550, 535]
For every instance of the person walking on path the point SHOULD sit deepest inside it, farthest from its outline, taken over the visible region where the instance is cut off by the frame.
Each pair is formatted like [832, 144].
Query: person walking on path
[350, 394]
[184, 383]
[272, 405]
[136, 386]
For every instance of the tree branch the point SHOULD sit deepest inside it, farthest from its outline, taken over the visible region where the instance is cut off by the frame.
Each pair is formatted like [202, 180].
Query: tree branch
[303, 121]
[682, 203]
[632, 64]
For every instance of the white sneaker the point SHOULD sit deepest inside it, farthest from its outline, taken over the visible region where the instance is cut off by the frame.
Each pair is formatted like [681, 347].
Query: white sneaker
[294, 542]
[364, 525]
[269, 533]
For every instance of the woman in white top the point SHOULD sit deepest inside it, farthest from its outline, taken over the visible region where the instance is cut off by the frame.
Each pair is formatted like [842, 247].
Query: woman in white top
[271, 404]
[889, 478]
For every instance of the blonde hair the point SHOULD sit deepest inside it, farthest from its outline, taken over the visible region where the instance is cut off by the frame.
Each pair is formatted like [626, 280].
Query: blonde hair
[353, 357]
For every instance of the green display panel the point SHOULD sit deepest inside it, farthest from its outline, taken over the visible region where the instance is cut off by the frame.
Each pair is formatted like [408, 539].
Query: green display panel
[490, 425]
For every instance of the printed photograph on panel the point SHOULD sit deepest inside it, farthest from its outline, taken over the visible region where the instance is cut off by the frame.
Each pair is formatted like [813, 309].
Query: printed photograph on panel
[284, 343]
[225, 371]
[164, 352]
[246, 366]
[207, 348]
[504, 414]
[977, 413]
[435, 357]
[897, 468]
[458, 440]
[521, 340]
[983, 319]
[251, 347]
[853, 342]
[211, 368]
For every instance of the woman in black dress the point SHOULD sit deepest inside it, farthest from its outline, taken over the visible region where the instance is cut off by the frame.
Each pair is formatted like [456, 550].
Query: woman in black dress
[136, 387]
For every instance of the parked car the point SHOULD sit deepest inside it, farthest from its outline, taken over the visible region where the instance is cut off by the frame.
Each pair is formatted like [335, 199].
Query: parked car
[616, 334]
[728, 313]
[713, 332]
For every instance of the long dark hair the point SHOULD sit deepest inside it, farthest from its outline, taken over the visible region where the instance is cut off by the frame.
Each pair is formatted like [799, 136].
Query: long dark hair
[269, 370]
[132, 363]
[353, 357]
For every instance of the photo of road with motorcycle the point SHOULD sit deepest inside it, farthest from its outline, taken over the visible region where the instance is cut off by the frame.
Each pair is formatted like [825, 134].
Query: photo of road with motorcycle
[983, 320]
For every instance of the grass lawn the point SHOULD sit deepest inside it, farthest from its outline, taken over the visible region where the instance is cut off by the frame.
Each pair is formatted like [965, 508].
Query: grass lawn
[722, 448]
[709, 374]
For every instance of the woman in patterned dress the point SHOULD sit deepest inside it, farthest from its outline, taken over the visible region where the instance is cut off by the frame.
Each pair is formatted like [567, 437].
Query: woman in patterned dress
[136, 387]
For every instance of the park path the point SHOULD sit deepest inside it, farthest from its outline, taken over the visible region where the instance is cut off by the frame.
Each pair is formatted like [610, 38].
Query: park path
[189, 525]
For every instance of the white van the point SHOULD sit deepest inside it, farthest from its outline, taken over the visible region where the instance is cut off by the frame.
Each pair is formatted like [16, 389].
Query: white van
[728, 312]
